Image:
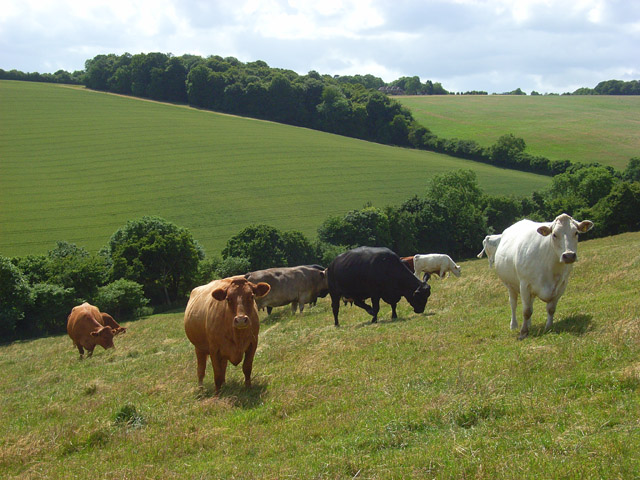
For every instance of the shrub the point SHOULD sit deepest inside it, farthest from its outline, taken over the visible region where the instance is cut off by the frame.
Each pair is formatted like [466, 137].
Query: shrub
[159, 255]
[49, 308]
[262, 245]
[14, 296]
[231, 266]
[121, 299]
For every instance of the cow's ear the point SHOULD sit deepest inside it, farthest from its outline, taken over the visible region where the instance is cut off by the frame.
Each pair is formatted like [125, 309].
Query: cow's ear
[219, 294]
[261, 289]
[544, 230]
[95, 333]
[585, 225]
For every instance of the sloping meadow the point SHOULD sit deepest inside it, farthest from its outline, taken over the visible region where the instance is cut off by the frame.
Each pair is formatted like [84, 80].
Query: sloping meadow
[77, 165]
[448, 393]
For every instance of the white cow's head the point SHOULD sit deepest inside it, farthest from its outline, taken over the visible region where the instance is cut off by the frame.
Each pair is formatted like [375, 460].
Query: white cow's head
[564, 236]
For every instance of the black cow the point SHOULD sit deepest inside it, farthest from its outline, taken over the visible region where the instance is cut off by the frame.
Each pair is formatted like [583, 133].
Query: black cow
[375, 273]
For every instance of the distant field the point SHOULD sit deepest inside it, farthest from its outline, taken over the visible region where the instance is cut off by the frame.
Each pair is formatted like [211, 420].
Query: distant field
[448, 394]
[603, 129]
[75, 165]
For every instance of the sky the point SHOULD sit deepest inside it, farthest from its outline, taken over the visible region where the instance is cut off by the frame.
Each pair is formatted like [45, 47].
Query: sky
[490, 45]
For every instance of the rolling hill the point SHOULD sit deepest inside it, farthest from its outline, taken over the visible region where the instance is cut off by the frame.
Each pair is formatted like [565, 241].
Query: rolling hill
[584, 129]
[76, 165]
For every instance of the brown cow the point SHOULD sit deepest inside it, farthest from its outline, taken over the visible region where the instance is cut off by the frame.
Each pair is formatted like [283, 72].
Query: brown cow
[108, 321]
[408, 261]
[84, 326]
[221, 320]
[291, 285]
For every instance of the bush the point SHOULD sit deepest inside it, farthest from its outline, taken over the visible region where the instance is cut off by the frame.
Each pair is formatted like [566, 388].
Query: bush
[159, 255]
[231, 266]
[121, 299]
[49, 308]
[14, 296]
[262, 245]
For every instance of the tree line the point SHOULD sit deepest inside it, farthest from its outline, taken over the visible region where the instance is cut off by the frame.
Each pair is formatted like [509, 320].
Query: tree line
[346, 105]
[349, 105]
[151, 263]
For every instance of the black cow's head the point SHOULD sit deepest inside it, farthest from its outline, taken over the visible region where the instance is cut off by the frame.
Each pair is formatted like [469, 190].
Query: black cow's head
[418, 300]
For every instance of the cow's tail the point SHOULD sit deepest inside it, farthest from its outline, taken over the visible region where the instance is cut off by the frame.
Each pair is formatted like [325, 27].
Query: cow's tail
[481, 253]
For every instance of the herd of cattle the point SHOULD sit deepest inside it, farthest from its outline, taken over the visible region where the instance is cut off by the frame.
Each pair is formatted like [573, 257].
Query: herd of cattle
[221, 318]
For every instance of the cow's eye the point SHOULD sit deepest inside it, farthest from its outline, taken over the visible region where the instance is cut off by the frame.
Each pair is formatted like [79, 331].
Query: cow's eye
[555, 236]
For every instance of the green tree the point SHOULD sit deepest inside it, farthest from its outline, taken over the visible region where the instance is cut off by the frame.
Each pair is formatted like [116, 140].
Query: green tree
[369, 226]
[157, 254]
[74, 267]
[619, 211]
[632, 172]
[298, 249]
[506, 149]
[262, 245]
[14, 296]
[121, 299]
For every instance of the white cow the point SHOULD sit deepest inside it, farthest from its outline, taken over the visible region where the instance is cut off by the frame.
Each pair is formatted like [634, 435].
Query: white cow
[535, 259]
[489, 246]
[437, 263]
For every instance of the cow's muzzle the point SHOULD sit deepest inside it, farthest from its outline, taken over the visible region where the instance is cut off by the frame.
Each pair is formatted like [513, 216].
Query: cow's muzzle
[240, 322]
[569, 257]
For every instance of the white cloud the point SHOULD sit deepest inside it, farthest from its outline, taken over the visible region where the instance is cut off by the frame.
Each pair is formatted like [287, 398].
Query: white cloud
[493, 45]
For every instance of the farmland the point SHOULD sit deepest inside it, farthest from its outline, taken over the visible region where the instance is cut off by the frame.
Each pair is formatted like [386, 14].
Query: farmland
[585, 129]
[447, 394]
[76, 165]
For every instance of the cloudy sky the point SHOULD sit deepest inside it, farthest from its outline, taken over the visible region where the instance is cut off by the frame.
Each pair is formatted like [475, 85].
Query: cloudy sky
[492, 45]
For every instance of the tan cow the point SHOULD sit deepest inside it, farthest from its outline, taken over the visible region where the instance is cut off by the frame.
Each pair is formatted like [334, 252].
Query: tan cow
[291, 285]
[221, 321]
[85, 327]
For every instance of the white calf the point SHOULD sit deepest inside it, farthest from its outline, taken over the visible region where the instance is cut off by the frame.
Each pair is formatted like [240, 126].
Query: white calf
[437, 263]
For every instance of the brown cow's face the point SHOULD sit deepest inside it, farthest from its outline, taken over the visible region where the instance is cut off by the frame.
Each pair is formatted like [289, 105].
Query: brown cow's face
[104, 337]
[240, 297]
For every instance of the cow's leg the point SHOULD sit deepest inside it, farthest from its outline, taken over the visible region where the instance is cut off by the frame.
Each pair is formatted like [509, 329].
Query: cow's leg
[394, 315]
[269, 310]
[527, 310]
[360, 303]
[551, 310]
[90, 351]
[247, 364]
[202, 365]
[513, 301]
[81, 350]
[294, 306]
[219, 369]
[335, 306]
[375, 302]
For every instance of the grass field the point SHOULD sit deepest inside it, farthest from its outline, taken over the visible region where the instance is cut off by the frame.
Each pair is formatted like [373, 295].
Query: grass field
[447, 394]
[76, 165]
[604, 129]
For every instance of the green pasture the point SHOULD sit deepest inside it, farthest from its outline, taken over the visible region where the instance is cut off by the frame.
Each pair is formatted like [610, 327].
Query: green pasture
[450, 393]
[76, 165]
[604, 129]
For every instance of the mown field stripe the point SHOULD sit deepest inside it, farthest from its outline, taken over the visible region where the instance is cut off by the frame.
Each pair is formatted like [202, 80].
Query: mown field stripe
[76, 165]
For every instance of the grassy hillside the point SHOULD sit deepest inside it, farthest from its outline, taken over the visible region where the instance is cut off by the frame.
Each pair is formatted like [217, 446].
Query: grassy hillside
[447, 394]
[76, 165]
[581, 129]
